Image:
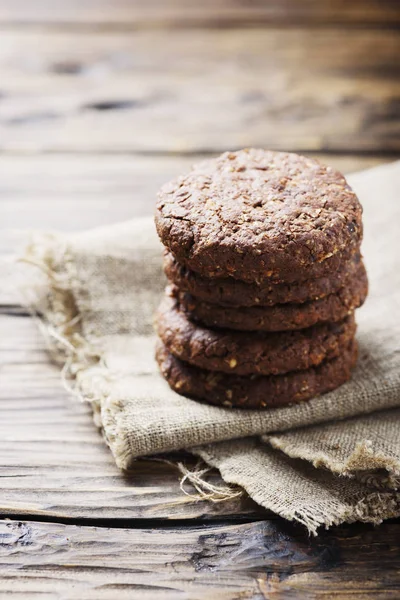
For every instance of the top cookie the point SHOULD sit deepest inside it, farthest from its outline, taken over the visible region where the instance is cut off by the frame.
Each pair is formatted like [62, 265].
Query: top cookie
[256, 215]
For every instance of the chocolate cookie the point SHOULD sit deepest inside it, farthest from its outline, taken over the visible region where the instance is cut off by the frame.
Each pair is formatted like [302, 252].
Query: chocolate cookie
[256, 215]
[232, 292]
[280, 317]
[255, 392]
[256, 353]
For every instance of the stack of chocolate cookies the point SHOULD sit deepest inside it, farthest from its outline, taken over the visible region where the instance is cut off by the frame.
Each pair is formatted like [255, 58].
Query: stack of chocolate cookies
[263, 259]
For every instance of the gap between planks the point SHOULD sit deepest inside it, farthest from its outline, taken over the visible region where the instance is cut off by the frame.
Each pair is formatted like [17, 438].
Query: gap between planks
[149, 523]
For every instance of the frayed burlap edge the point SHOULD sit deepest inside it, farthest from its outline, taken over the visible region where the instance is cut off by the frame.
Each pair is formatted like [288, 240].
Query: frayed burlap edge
[54, 303]
[363, 462]
[112, 421]
[366, 506]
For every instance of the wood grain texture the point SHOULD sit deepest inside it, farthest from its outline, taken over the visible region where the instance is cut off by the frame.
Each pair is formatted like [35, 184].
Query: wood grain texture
[255, 560]
[134, 13]
[54, 462]
[200, 90]
[101, 102]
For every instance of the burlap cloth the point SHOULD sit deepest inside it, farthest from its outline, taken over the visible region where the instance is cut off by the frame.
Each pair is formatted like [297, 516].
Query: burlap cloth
[302, 462]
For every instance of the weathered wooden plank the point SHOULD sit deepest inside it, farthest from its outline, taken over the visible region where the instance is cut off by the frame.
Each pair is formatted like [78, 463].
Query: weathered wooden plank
[54, 463]
[128, 13]
[256, 560]
[69, 193]
[200, 90]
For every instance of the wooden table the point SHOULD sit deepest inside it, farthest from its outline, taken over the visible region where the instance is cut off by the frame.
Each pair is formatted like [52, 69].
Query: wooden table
[101, 101]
